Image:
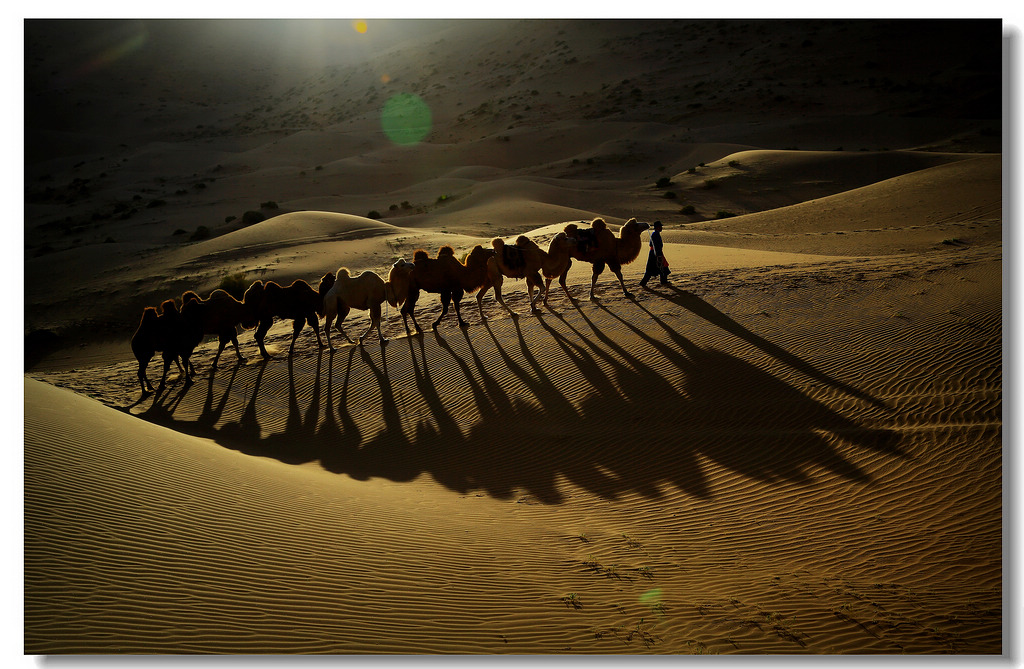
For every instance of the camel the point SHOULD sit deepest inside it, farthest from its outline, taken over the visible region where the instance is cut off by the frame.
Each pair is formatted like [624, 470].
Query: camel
[515, 261]
[219, 314]
[599, 246]
[297, 302]
[444, 275]
[157, 331]
[527, 260]
[366, 292]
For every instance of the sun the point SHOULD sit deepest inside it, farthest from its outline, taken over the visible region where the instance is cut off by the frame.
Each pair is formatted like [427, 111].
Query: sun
[360, 26]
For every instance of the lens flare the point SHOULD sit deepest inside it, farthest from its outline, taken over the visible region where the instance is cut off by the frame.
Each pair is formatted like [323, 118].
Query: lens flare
[360, 26]
[651, 597]
[406, 119]
[114, 53]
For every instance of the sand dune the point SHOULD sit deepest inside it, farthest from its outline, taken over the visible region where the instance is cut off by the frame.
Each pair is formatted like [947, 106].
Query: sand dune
[793, 448]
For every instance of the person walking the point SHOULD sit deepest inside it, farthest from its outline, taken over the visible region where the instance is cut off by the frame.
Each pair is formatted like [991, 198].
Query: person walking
[656, 264]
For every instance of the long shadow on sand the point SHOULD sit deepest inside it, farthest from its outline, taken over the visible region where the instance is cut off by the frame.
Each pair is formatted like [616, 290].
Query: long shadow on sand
[516, 431]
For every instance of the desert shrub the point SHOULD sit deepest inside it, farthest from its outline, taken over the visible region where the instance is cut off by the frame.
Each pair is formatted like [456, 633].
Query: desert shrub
[670, 195]
[441, 199]
[724, 214]
[393, 207]
[734, 163]
[663, 182]
[202, 232]
[228, 219]
[269, 204]
[406, 205]
[373, 214]
[710, 183]
[688, 209]
[692, 170]
[179, 231]
[234, 284]
[250, 217]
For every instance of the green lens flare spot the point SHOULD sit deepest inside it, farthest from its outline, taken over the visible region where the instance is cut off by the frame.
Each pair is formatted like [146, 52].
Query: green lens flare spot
[651, 597]
[406, 119]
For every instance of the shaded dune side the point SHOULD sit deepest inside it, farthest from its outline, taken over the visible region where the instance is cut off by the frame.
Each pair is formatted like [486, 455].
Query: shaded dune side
[965, 190]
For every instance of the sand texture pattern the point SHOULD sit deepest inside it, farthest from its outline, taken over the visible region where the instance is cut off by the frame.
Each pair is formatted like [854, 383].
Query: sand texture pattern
[794, 447]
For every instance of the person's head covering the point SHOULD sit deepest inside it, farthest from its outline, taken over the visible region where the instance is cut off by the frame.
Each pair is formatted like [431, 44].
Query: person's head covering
[657, 225]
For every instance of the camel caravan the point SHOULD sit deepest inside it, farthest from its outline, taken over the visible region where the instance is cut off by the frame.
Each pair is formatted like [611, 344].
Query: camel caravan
[176, 332]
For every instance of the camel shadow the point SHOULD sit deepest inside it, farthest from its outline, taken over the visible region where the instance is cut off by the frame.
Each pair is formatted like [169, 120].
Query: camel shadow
[712, 315]
[487, 411]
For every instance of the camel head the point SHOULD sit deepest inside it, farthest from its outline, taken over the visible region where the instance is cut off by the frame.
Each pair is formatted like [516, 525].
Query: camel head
[396, 289]
[327, 282]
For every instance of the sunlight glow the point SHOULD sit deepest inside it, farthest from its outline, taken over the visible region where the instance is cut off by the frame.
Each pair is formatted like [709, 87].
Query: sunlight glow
[360, 26]
[114, 53]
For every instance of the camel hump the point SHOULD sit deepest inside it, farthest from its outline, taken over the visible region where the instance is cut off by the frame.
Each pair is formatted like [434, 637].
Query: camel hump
[598, 224]
[632, 220]
[168, 306]
[497, 243]
[189, 296]
[446, 250]
[148, 314]
[343, 272]
[419, 255]
[522, 241]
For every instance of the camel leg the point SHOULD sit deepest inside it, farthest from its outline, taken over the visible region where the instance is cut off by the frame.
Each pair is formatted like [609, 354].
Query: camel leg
[598, 268]
[328, 319]
[313, 321]
[446, 299]
[618, 272]
[163, 377]
[188, 379]
[297, 326]
[500, 299]
[532, 282]
[220, 348]
[342, 314]
[234, 340]
[457, 297]
[375, 321]
[143, 364]
[261, 333]
[480, 299]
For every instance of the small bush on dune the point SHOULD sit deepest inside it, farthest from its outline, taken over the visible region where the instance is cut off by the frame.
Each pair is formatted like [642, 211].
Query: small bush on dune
[234, 284]
[373, 214]
[250, 217]
[202, 232]
[688, 209]
[724, 214]
[663, 182]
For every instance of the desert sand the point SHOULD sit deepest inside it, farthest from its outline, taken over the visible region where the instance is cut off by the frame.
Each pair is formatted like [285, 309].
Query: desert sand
[795, 447]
